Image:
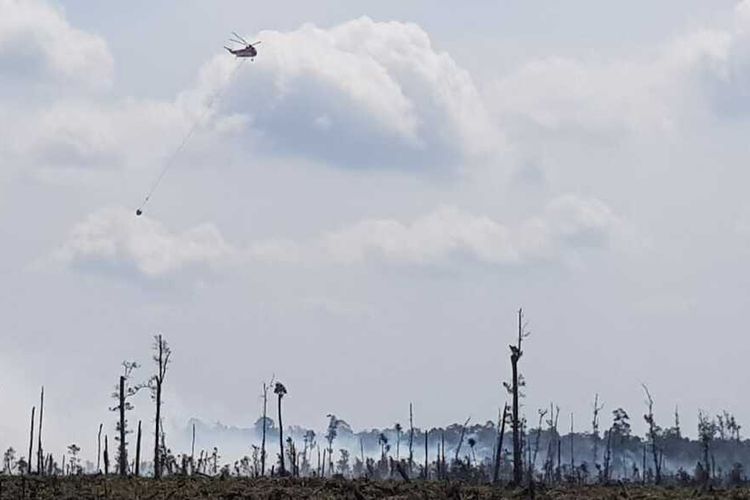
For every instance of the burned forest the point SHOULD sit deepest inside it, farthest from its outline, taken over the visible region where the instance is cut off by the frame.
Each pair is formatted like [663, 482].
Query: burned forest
[538, 451]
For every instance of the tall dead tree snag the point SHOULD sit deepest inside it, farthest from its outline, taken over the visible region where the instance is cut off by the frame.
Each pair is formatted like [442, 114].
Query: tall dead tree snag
[138, 451]
[162, 355]
[123, 392]
[122, 457]
[426, 457]
[265, 425]
[39, 451]
[192, 450]
[411, 438]
[653, 434]
[280, 391]
[99, 449]
[499, 450]
[571, 438]
[514, 388]
[595, 430]
[31, 441]
[106, 455]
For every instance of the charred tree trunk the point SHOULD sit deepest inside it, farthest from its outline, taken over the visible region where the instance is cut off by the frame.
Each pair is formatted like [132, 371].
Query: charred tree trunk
[157, 432]
[39, 451]
[138, 451]
[31, 441]
[649, 417]
[517, 459]
[572, 454]
[515, 356]
[595, 430]
[162, 355]
[426, 459]
[106, 455]
[282, 469]
[411, 438]
[99, 449]
[263, 435]
[499, 451]
[192, 451]
[122, 454]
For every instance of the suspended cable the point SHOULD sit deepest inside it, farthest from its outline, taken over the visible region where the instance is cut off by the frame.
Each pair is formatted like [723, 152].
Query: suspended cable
[170, 160]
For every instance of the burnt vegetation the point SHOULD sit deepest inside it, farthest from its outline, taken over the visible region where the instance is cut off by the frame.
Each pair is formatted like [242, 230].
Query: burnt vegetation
[524, 449]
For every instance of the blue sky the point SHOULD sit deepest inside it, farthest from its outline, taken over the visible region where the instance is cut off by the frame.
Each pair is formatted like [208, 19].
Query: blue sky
[368, 203]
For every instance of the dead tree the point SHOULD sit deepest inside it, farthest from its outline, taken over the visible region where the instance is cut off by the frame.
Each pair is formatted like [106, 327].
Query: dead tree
[99, 449]
[39, 452]
[411, 438]
[162, 355]
[461, 438]
[653, 431]
[123, 392]
[280, 391]
[426, 459]
[192, 451]
[138, 451]
[558, 469]
[265, 423]
[122, 457]
[499, 450]
[514, 388]
[532, 461]
[572, 454]
[31, 441]
[106, 455]
[595, 429]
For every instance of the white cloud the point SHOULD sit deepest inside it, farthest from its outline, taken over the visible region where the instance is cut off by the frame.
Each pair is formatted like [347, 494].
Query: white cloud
[568, 223]
[362, 93]
[39, 46]
[429, 238]
[663, 89]
[116, 238]
[276, 250]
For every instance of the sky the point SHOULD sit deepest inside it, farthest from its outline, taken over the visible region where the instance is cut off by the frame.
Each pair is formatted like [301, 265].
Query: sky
[361, 211]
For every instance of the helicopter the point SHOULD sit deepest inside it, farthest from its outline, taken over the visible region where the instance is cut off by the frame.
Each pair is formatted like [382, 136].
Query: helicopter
[247, 50]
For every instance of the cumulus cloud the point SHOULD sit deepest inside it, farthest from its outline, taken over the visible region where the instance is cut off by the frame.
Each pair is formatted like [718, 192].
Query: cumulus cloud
[362, 93]
[38, 45]
[568, 223]
[681, 82]
[115, 238]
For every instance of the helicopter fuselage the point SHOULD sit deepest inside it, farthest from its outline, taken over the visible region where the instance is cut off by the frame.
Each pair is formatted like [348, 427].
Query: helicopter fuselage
[248, 51]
